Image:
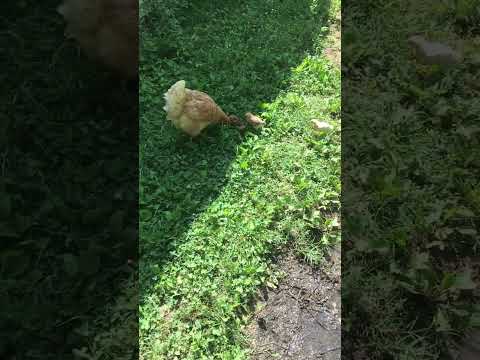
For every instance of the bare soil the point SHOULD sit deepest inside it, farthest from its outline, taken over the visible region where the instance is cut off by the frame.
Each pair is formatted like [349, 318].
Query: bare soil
[333, 50]
[301, 318]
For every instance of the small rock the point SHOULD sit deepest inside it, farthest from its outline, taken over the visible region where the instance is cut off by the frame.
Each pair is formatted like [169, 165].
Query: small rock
[254, 120]
[434, 53]
[321, 125]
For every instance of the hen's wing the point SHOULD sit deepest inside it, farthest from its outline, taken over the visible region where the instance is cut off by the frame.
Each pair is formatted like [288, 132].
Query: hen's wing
[201, 107]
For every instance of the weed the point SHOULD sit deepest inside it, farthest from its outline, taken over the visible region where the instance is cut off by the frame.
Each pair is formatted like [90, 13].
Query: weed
[214, 211]
[408, 179]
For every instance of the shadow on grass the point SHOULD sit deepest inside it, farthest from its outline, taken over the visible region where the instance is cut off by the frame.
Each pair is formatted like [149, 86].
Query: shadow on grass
[68, 189]
[239, 53]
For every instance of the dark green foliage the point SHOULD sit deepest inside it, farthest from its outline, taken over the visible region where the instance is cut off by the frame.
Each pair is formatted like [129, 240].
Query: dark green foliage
[215, 210]
[410, 179]
[68, 189]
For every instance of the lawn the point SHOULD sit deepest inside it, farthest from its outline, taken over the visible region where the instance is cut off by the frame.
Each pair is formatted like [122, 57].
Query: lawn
[410, 164]
[215, 211]
[68, 153]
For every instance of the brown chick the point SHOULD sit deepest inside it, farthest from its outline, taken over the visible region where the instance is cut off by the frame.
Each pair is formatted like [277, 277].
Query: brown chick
[254, 120]
[107, 30]
[192, 111]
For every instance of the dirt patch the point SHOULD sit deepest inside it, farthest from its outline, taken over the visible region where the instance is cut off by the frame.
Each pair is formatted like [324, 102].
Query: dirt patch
[333, 51]
[469, 349]
[301, 318]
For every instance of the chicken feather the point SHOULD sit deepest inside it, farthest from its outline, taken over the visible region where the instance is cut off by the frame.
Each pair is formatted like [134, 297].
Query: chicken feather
[192, 111]
[107, 30]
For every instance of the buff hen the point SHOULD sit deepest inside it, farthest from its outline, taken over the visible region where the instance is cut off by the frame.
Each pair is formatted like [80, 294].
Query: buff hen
[107, 30]
[192, 111]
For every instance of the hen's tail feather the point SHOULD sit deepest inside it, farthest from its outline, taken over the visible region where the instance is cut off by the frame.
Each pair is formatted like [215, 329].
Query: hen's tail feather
[175, 99]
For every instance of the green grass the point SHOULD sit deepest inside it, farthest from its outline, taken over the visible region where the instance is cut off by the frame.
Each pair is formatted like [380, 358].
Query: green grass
[63, 148]
[215, 211]
[411, 204]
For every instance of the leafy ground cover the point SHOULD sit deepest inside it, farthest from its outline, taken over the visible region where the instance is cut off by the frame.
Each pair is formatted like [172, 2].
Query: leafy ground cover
[215, 211]
[410, 161]
[67, 153]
